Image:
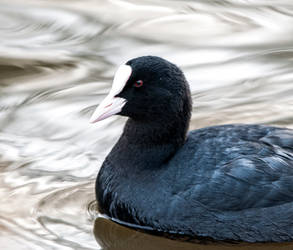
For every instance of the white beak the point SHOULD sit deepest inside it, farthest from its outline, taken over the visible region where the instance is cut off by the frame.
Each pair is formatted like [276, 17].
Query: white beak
[112, 105]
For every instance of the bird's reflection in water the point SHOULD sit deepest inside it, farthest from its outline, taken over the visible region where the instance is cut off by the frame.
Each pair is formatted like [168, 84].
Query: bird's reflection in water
[111, 235]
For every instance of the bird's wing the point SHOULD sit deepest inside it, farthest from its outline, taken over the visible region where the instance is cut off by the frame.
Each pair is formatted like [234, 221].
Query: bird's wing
[251, 172]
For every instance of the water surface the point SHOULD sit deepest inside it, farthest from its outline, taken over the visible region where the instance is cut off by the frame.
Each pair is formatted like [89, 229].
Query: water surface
[57, 60]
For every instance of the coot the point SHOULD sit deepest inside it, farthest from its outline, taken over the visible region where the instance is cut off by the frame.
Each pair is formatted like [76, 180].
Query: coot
[229, 182]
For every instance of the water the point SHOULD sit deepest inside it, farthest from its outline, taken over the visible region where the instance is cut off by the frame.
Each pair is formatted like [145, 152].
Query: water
[57, 60]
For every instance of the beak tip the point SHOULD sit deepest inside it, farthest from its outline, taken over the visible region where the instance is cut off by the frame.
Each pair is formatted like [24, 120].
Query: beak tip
[93, 120]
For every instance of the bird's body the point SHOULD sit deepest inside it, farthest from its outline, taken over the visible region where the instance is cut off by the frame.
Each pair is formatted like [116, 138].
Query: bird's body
[229, 182]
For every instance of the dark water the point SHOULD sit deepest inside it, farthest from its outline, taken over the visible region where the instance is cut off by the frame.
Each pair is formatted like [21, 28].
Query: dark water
[57, 59]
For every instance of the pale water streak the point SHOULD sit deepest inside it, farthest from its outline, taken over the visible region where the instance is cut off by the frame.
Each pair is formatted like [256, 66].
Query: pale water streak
[57, 60]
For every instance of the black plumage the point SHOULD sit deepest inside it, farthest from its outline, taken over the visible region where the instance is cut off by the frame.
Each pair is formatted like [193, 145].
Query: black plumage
[229, 182]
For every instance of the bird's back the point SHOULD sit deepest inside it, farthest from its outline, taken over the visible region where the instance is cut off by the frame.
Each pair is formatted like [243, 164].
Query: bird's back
[238, 183]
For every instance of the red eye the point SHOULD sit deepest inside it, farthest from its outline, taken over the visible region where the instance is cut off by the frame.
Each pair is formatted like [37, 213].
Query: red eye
[138, 83]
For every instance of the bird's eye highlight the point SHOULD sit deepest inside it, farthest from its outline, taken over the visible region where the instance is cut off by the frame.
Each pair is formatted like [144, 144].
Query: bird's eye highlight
[138, 84]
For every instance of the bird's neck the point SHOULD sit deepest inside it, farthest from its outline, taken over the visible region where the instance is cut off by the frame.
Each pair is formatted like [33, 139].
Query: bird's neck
[155, 133]
[151, 144]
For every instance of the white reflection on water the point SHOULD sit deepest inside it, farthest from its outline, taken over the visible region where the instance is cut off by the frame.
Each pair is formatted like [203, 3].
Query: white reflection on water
[57, 60]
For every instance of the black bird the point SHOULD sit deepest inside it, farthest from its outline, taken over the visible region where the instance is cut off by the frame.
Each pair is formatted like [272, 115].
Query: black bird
[229, 182]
